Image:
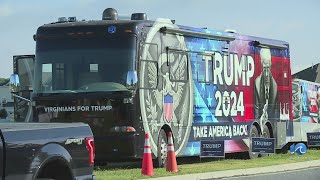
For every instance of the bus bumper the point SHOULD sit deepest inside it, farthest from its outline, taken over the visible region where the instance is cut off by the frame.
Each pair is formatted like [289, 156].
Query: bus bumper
[118, 147]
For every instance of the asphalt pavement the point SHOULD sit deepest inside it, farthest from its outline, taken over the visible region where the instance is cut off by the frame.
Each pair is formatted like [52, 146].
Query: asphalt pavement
[306, 170]
[302, 174]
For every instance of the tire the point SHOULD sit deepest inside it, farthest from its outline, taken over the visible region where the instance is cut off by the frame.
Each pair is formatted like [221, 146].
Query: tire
[265, 134]
[162, 149]
[55, 170]
[254, 133]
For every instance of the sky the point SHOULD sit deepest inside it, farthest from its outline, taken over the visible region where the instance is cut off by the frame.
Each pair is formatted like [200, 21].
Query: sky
[294, 21]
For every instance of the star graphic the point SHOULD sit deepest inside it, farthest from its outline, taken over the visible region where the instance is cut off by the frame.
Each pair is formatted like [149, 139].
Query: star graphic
[203, 85]
[203, 117]
[202, 48]
[192, 150]
[197, 100]
[209, 100]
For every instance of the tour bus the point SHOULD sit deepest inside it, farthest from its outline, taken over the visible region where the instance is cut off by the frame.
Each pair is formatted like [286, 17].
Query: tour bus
[129, 77]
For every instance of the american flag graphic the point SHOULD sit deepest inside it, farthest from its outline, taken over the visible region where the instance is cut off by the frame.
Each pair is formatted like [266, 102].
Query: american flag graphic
[168, 111]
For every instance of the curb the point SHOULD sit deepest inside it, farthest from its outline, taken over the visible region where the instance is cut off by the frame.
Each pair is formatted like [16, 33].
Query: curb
[245, 172]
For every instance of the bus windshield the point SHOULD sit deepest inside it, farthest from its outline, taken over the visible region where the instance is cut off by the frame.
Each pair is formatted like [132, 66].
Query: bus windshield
[85, 64]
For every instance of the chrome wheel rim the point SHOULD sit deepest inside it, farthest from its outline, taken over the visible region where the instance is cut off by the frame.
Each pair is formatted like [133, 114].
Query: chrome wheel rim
[163, 151]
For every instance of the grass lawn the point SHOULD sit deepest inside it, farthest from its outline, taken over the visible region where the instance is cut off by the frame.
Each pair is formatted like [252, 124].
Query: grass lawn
[207, 166]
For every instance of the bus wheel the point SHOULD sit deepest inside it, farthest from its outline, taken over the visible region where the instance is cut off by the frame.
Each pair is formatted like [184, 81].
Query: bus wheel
[162, 149]
[265, 134]
[254, 133]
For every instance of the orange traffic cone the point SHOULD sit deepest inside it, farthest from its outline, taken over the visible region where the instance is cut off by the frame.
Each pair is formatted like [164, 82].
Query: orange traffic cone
[147, 165]
[171, 156]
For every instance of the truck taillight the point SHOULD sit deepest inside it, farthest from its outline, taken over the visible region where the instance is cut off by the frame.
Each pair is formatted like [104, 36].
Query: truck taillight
[123, 129]
[90, 148]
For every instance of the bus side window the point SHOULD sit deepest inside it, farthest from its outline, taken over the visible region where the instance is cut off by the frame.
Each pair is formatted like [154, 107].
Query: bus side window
[149, 65]
[178, 65]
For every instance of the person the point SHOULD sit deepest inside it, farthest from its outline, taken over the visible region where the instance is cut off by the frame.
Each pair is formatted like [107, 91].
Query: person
[3, 115]
[265, 91]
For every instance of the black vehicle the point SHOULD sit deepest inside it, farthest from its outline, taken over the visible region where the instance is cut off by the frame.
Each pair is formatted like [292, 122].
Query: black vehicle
[46, 151]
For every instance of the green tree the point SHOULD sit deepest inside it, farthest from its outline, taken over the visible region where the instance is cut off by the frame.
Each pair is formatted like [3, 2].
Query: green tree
[4, 81]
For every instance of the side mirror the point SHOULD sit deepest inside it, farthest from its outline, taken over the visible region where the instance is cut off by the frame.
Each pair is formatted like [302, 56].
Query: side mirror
[132, 78]
[14, 83]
